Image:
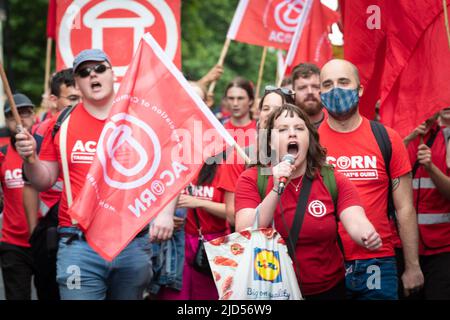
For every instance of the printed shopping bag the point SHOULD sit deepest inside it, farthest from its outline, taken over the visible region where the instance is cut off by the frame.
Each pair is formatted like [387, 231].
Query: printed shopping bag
[253, 264]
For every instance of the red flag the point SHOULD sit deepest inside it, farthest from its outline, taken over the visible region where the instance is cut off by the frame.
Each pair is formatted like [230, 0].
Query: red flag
[51, 19]
[415, 81]
[312, 44]
[402, 59]
[268, 23]
[149, 150]
[116, 27]
[365, 46]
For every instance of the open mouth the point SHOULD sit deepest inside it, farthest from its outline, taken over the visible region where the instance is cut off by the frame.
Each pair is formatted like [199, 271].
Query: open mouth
[292, 148]
[95, 85]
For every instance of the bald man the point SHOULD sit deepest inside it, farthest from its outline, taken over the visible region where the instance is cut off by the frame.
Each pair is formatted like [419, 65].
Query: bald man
[353, 150]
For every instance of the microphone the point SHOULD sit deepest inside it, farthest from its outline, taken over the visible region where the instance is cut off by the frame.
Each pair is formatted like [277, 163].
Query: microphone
[282, 183]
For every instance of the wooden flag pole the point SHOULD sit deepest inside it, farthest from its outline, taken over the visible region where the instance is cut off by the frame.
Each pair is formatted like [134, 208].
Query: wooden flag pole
[447, 28]
[10, 97]
[48, 57]
[260, 73]
[220, 62]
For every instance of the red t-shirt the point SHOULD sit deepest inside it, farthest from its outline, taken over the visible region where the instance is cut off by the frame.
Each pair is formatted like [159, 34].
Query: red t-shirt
[244, 136]
[82, 135]
[319, 257]
[15, 227]
[208, 222]
[357, 155]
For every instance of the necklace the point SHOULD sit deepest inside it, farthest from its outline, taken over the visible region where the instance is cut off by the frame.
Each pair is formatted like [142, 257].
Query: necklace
[298, 184]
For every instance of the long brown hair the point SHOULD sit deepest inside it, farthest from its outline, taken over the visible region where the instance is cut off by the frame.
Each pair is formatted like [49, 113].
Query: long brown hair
[316, 155]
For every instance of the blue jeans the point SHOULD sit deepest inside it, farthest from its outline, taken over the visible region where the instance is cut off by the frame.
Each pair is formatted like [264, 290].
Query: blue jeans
[83, 275]
[372, 279]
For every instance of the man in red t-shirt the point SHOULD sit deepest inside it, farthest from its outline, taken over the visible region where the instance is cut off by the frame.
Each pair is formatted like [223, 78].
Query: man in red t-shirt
[81, 272]
[306, 84]
[240, 97]
[15, 255]
[353, 150]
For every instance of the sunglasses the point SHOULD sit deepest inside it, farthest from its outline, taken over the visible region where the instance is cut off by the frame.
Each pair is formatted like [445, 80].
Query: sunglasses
[98, 69]
[285, 91]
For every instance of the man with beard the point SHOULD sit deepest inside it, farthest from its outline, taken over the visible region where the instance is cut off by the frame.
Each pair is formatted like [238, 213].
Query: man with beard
[306, 84]
[352, 148]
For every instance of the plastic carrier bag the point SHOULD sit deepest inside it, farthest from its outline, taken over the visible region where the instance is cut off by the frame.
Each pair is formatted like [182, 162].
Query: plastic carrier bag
[253, 264]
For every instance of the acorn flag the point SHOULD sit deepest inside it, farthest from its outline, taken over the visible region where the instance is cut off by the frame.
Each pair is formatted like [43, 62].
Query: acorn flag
[156, 139]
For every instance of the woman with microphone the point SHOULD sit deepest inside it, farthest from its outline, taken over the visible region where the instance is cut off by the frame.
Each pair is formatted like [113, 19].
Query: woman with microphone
[315, 252]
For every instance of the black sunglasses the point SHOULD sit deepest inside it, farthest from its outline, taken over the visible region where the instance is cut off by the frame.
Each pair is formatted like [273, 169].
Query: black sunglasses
[285, 91]
[98, 68]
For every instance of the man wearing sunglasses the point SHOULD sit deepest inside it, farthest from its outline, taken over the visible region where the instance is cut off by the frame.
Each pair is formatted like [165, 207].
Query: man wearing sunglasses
[81, 272]
[15, 256]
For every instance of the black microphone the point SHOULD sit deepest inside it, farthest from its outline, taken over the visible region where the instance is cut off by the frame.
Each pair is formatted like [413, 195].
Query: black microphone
[282, 183]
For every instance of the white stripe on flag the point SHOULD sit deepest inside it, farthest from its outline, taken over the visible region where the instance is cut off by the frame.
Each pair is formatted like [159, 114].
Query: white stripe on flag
[237, 19]
[182, 80]
[298, 34]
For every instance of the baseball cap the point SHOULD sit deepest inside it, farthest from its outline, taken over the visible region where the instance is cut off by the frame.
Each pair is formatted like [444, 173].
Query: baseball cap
[20, 100]
[89, 55]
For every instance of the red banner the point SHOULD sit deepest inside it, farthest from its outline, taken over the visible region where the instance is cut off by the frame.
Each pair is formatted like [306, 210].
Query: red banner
[402, 55]
[313, 44]
[151, 147]
[268, 23]
[116, 27]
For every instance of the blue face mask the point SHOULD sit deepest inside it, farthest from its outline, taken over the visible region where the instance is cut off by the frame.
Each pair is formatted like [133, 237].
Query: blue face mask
[339, 101]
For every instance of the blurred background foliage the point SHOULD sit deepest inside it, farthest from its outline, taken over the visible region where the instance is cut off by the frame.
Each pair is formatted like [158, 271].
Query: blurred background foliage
[204, 25]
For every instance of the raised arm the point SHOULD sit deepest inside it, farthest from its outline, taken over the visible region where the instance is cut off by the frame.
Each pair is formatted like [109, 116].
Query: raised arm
[41, 174]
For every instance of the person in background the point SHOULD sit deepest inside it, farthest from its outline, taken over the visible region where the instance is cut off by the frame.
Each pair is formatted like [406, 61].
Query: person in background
[428, 147]
[15, 256]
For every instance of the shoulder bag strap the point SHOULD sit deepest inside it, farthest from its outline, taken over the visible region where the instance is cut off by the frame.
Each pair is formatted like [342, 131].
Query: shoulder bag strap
[64, 163]
[299, 215]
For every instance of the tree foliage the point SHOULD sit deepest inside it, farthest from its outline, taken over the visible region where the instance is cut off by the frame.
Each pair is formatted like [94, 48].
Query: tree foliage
[204, 25]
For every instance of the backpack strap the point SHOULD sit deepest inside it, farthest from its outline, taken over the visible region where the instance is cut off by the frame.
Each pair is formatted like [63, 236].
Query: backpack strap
[262, 183]
[62, 116]
[384, 143]
[327, 173]
[4, 149]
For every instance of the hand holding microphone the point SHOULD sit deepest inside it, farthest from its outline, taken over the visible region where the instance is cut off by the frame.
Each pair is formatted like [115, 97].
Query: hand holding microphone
[283, 171]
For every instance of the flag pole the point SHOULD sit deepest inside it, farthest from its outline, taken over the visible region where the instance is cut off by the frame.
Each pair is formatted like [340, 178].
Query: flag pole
[447, 28]
[220, 63]
[48, 56]
[242, 153]
[260, 73]
[19, 127]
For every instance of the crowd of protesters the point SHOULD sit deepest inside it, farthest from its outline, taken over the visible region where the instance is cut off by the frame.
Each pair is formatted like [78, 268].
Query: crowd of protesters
[389, 218]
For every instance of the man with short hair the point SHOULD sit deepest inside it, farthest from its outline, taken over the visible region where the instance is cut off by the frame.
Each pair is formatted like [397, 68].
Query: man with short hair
[63, 93]
[81, 272]
[352, 148]
[15, 255]
[306, 84]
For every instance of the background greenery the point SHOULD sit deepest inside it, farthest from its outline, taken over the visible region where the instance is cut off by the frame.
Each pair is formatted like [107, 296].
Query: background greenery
[204, 24]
